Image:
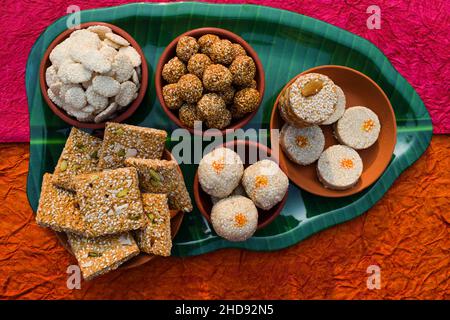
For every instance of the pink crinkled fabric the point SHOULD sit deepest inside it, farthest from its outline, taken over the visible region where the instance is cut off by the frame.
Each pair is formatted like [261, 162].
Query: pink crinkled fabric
[413, 35]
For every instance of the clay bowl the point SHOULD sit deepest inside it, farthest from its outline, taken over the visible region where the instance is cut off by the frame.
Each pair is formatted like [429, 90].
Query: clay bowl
[140, 259]
[265, 217]
[359, 90]
[169, 53]
[45, 63]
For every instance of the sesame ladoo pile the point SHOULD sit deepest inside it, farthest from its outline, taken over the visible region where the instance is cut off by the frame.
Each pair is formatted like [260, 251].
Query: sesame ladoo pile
[101, 196]
[237, 193]
[94, 74]
[311, 101]
[210, 80]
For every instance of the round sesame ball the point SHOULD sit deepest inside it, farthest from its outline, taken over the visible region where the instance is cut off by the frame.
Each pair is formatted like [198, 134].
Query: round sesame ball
[171, 95]
[252, 85]
[220, 172]
[173, 70]
[205, 42]
[220, 121]
[198, 63]
[265, 183]
[246, 100]
[188, 115]
[227, 95]
[243, 70]
[190, 88]
[235, 113]
[222, 52]
[217, 78]
[210, 106]
[186, 48]
[238, 50]
[234, 218]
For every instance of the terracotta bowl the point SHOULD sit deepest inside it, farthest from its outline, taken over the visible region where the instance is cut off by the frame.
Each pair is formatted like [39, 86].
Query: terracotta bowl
[169, 53]
[359, 90]
[175, 223]
[265, 217]
[45, 63]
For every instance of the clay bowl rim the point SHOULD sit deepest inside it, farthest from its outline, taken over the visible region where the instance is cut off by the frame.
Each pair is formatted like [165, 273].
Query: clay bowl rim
[248, 143]
[169, 53]
[348, 192]
[142, 257]
[45, 62]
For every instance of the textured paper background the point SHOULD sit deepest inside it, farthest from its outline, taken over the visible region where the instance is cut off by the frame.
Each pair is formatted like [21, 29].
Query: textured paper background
[413, 35]
[406, 234]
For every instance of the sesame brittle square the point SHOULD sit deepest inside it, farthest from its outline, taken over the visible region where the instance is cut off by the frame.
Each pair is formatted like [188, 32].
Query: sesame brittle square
[58, 208]
[163, 176]
[97, 256]
[80, 155]
[110, 201]
[155, 237]
[122, 141]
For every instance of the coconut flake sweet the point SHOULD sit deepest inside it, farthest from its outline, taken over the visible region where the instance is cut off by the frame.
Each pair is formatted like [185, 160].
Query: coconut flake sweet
[339, 167]
[358, 128]
[93, 74]
[339, 108]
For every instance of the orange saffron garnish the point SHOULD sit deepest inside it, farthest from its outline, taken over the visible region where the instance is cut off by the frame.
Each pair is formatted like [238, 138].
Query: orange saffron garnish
[347, 163]
[240, 220]
[218, 166]
[302, 141]
[261, 181]
[368, 125]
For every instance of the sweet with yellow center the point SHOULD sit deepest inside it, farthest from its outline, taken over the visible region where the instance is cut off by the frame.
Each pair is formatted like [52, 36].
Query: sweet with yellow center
[368, 125]
[302, 141]
[261, 181]
[347, 163]
[240, 220]
[218, 165]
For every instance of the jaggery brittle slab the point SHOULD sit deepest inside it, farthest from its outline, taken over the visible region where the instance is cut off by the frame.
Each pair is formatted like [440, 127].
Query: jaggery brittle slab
[99, 255]
[80, 155]
[122, 141]
[58, 208]
[163, 176]
[110, 201]
[155, 237]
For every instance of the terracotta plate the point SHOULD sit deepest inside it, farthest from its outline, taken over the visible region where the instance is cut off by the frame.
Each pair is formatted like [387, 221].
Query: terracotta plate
[359, 90]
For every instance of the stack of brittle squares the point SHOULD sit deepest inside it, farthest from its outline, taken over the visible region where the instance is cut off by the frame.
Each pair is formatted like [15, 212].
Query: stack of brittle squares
[113, 197]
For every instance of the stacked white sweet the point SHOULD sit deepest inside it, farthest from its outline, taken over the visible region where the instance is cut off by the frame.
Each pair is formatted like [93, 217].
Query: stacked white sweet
[94, 74]
[313, 100]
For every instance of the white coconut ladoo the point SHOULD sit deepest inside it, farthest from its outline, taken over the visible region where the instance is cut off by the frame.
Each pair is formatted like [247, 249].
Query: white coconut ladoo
[358, 128]
[265, 183]
[339, 167]
[235, 218]
[302, 145]
[312, 98]
[220, 172]
[339, 108]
